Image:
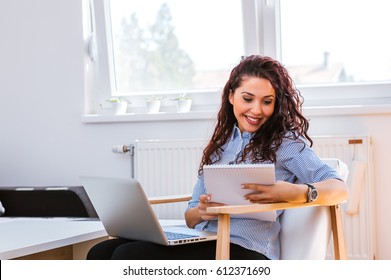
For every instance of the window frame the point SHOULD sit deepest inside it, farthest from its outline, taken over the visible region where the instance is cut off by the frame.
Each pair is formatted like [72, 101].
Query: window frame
[260, 17]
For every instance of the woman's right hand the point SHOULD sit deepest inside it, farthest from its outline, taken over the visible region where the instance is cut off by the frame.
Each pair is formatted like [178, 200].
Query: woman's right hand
[196, 215]
[205, 202]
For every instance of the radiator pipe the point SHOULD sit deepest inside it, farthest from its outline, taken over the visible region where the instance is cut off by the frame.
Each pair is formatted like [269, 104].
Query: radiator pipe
[130, 149]
[123, 149]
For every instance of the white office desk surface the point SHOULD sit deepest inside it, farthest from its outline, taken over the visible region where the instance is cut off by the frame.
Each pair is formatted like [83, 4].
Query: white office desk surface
[25, 236]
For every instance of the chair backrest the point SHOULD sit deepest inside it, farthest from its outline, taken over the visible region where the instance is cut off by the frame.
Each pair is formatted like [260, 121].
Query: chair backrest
[2, 209]
[305, 232]
[46, 202]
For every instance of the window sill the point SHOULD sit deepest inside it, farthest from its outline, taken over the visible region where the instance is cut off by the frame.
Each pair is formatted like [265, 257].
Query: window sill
[312, 111]
[347, 110]
[153, 117]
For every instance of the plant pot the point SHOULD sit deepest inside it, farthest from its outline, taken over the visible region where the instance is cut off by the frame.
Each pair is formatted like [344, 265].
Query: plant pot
[120, 107]
[153, 106]
[183, 105]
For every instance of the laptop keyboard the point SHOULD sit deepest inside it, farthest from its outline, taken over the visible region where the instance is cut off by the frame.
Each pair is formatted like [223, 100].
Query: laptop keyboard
[175, 235]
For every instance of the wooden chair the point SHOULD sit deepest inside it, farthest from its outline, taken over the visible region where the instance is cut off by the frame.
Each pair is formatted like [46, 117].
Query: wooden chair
[224, 212]
[305, 228]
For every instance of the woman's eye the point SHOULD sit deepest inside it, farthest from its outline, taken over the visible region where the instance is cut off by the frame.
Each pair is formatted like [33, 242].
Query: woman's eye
[247, 99]
[268, 102]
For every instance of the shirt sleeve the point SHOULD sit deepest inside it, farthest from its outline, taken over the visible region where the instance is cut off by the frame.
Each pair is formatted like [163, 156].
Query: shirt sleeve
[198, 190]
[298, 162]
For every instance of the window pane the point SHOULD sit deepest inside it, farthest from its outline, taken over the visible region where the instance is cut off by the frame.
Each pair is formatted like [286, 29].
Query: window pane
[329, 41]
[174, 44]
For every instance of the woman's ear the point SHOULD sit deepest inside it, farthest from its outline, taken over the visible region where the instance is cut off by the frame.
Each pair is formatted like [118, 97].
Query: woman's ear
[231, 97]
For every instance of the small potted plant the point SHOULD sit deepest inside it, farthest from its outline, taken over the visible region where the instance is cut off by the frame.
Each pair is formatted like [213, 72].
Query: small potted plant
[153, 104]
[119, 104]
[183, 103]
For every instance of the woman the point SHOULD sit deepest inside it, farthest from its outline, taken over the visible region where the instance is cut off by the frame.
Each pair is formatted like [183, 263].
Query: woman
[260, 120]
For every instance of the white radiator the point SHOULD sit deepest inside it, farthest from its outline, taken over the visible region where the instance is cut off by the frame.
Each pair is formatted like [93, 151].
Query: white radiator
[167, 167]
[358, 212]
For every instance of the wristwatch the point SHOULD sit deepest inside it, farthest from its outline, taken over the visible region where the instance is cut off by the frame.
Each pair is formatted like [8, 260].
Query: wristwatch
[312, 193]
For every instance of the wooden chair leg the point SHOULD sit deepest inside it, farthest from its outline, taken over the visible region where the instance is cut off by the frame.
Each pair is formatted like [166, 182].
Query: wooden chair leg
[223, 237]
[338, 234]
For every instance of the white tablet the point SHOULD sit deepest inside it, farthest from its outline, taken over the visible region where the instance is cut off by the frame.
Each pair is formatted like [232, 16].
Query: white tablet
[223, 183]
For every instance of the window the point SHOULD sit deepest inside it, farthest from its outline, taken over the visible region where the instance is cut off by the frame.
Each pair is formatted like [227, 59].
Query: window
[337, 51]
[174, 45]
[336, 41]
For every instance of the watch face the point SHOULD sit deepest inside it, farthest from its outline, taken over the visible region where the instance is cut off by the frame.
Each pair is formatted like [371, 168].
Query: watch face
[313, 195]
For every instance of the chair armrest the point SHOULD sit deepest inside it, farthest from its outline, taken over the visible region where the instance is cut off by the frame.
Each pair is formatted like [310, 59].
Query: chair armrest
[242, 209]
[169, 199]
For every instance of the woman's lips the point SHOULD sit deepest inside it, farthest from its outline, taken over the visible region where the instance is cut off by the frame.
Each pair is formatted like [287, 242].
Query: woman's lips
[253, 120]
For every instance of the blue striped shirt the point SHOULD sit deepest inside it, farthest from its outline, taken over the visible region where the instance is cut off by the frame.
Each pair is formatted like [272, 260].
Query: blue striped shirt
[295, 163]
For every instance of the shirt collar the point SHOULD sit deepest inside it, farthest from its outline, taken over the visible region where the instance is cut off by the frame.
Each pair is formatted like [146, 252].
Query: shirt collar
[243, 135]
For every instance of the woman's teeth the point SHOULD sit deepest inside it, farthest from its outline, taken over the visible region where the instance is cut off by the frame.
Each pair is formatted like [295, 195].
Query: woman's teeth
[253, 120]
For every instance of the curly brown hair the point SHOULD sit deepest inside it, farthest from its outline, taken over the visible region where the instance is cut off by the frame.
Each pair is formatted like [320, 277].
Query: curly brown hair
[287, 115]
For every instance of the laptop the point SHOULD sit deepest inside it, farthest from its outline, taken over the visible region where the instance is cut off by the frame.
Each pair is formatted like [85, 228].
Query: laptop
[125, 212]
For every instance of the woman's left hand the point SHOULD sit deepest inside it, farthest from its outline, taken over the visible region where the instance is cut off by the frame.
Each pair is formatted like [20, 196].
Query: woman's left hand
[279, 192]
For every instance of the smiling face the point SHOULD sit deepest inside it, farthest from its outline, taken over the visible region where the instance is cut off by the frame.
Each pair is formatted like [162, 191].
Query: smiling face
[253, 103]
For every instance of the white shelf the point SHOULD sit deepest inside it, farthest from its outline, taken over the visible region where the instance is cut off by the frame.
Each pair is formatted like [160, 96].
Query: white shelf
[314, 111]
[144, 117]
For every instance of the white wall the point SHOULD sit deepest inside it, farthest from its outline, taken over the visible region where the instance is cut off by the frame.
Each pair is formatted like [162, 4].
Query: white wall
[44, 142]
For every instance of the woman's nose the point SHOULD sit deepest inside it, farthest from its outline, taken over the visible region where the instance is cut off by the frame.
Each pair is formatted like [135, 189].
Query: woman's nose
[257, 108]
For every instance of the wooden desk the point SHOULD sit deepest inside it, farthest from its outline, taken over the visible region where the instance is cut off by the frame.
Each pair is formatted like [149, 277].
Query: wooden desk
[48, 238]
